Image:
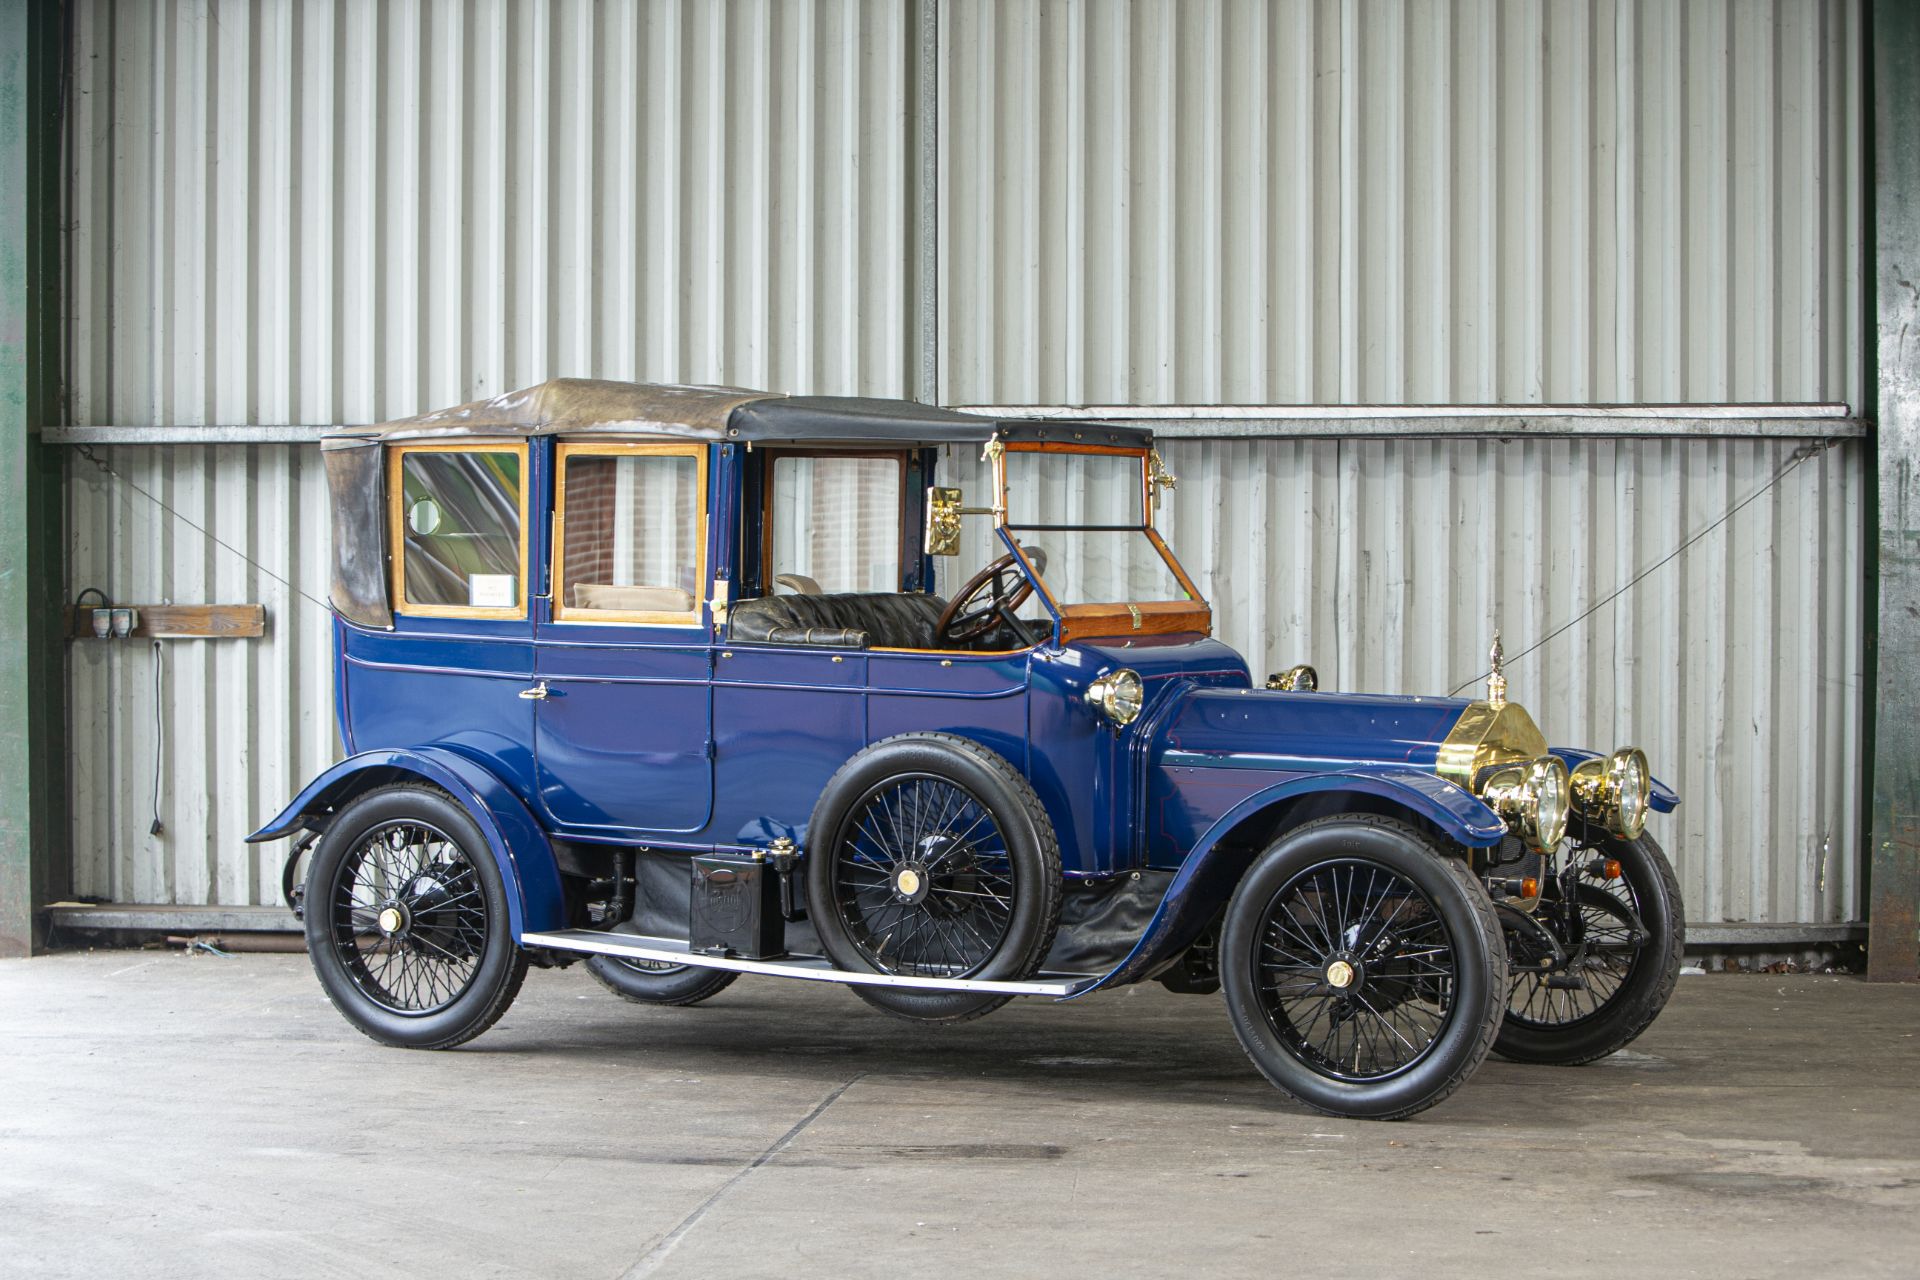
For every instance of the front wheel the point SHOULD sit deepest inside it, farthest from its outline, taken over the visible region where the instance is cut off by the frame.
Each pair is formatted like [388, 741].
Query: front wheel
[1622, 933]
[1363, 968]
[407, 921]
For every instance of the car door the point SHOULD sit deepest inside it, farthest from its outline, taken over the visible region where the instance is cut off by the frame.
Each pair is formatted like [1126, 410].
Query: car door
[624, 659]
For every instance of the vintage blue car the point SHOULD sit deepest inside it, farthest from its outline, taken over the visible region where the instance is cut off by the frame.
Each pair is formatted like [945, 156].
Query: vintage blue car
[680, 680]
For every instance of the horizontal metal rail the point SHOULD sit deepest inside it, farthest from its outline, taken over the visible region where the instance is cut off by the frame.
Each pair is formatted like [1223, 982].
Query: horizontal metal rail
[813, 968]
[1235, 422]
[166, 918]
[223, 433]
[1292, 422]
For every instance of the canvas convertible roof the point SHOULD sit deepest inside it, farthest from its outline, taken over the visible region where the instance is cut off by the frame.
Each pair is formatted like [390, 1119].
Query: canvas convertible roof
[575, 407]
[591, 407]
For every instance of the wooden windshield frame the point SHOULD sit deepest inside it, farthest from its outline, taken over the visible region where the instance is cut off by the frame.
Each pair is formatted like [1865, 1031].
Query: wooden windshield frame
[1105, 619]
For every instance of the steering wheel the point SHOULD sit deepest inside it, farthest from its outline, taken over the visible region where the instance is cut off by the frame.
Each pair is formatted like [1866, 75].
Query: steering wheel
[988, 599]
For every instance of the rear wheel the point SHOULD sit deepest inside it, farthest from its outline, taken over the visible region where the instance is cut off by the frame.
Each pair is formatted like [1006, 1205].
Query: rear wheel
[1363, 968]
[1622, 937]
[658, 981]
[931, 856]
[406, 918]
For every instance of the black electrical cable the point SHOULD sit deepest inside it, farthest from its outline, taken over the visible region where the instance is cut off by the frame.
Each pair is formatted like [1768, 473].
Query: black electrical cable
[159, 738]
[1800, 455]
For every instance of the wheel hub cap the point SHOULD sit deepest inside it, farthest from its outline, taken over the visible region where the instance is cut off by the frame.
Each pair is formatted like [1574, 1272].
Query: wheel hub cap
[912, 881]
[1340, 974]
[392, 920]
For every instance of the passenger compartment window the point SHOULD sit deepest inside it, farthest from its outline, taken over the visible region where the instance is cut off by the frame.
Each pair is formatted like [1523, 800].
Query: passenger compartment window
[458, 524]
[631, 518]
[834, 523]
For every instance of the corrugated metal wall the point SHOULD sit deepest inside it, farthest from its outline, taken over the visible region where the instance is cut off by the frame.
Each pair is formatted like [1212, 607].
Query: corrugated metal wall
[344, 212]
[338, 212]
[1400, 202]
[239, 726]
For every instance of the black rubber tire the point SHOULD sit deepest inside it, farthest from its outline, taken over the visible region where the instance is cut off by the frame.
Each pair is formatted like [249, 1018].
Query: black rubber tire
[1466, 912]
[502, 968]
[1650, 980]
[1034, 851]
[682, 985]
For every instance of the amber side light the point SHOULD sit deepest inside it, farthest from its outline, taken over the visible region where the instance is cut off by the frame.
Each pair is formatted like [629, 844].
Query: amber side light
[1530, 887]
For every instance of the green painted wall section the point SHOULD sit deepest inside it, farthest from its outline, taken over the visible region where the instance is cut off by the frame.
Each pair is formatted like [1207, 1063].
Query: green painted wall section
[33, 827]
[1892, 953]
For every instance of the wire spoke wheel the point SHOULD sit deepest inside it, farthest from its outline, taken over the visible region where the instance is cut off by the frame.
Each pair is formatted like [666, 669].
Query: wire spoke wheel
[408, 917]
[1356, 970]
[924, 879]
[1619, 938]
[1603, 948]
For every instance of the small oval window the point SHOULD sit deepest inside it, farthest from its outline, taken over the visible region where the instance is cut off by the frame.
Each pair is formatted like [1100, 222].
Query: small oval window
[423, 517]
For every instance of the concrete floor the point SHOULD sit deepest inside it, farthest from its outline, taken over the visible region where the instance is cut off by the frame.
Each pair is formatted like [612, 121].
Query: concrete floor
[166, 1115]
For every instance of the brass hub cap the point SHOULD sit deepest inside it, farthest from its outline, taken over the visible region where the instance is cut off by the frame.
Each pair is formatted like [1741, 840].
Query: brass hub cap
[911, 882]
[392, 920]
[1340, 975]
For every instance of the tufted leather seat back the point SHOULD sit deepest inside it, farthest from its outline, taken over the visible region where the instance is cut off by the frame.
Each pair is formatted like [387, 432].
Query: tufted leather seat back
[842, 620]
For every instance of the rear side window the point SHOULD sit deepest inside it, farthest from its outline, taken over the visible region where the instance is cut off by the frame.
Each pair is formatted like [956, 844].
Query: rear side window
[458, 519]
[834, 522]
[632, 541]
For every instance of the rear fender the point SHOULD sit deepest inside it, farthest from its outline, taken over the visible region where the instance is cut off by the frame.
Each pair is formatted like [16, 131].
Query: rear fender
[518, 844]
[1207, 877]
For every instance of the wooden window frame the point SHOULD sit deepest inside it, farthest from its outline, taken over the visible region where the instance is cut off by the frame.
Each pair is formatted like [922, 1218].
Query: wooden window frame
[907, 541]
[569, 614]
[397, 530]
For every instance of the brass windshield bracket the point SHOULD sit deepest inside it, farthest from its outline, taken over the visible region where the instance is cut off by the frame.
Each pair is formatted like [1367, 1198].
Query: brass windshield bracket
[1158, 477]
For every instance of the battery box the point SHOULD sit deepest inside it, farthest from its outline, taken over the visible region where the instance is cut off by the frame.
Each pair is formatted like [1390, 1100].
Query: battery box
[735, 907]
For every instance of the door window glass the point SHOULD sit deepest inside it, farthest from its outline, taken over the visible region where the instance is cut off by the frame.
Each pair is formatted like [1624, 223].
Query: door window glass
[836, 523]
[631, 525]
[460, 526]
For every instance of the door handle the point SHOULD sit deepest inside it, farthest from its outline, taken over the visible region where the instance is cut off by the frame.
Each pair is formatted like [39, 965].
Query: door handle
[536, 694]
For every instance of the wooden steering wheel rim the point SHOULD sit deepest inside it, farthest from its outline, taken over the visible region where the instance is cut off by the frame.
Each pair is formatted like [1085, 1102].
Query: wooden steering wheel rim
[941, 630]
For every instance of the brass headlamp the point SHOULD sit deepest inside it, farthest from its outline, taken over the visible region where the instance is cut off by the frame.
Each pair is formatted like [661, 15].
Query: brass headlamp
[1615, 792]
[1118, 696]
[1533, 798]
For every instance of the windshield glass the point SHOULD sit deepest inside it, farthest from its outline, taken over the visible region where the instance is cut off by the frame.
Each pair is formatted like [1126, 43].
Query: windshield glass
[1084, 514]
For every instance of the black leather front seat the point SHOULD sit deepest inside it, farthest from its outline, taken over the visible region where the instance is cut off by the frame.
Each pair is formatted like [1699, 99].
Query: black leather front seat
[842, 620]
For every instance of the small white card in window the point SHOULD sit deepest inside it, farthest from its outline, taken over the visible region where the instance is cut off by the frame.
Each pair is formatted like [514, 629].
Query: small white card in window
[491, 591]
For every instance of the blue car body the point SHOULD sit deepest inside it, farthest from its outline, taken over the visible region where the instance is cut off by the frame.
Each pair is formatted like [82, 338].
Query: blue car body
[681, 738]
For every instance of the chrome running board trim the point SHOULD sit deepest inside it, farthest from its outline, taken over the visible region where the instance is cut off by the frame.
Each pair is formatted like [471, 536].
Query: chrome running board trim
[812, 968]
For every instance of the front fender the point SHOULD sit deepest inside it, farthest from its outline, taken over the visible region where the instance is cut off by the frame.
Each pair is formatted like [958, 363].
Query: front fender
[1207, 876]
[519, 846]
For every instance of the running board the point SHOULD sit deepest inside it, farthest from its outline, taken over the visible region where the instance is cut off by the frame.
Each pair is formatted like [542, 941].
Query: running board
[629, 946]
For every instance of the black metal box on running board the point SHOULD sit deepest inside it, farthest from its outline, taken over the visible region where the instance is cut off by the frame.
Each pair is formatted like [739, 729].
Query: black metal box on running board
[736, 907]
